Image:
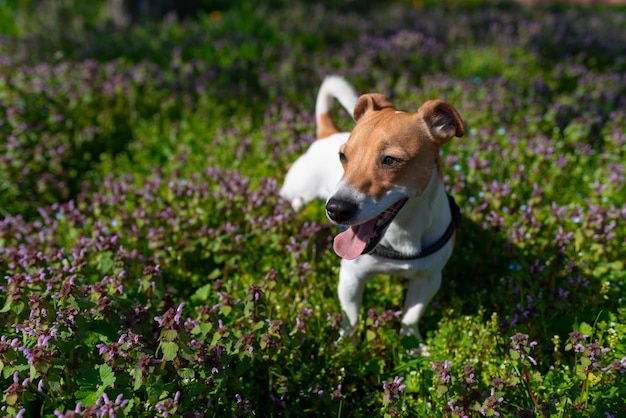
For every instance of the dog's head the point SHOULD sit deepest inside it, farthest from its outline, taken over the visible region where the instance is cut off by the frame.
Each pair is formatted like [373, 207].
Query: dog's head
[388, 159]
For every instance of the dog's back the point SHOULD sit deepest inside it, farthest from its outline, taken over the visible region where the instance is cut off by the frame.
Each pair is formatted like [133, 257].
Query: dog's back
[317, 171]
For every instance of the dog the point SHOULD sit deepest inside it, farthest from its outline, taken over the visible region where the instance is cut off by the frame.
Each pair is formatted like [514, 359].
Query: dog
[383, 182]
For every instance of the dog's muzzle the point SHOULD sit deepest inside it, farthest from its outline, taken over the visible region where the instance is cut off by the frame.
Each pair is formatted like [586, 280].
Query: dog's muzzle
[341, 211]
[363, 237]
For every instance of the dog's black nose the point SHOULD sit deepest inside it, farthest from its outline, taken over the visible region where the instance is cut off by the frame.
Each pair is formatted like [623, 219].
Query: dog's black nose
[341, 210]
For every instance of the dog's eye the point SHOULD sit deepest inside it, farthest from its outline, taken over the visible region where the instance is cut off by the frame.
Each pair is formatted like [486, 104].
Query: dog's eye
[390, 162]
[342, 157]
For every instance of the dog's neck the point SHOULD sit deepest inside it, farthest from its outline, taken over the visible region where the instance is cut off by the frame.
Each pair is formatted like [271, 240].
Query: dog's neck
[422, 220]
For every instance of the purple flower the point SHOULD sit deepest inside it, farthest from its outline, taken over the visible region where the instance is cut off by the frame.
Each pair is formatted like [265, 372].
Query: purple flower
[456, 410]
[336, 395]
[443, 370]
[491, 404]
[394, 388]
[522, 345]
[575, 337]
[469, 374]
[171, 318]
[70, 414]
[243, 404]
[106, 407]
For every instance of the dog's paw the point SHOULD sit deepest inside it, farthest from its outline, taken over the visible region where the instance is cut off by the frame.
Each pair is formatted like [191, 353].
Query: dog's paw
[347, 335]
[415, 347]
[350, 341]
[420, 351]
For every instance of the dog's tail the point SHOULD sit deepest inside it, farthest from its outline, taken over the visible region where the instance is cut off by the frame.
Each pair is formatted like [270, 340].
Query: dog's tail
[333, 87]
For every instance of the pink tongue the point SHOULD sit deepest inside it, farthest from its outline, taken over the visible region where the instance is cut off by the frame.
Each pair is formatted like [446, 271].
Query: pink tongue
[352, 242]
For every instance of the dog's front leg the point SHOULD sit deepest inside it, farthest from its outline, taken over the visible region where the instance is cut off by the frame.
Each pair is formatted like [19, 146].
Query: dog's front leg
[419, 293]
[350, 290]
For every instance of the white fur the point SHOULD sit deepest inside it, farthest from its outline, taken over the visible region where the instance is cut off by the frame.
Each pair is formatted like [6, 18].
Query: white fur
[334, 87]
[316, 172]
[422, 220]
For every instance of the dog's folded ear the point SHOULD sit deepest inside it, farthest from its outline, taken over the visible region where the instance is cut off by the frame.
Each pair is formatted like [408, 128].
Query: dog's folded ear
[370, 102]
[442, 119]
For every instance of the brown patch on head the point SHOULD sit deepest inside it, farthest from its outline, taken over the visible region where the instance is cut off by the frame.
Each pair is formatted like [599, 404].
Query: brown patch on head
[326, 126]
[389, 149]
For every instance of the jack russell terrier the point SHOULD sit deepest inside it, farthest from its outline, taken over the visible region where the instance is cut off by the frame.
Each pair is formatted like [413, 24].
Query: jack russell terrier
[384, 183]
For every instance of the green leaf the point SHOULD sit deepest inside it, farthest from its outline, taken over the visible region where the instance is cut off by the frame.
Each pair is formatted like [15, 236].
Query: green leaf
[89, 394]
[155, 392]
[202, 328]
[248, 308]
[442, 390]
[169, 349]
[369, 335]
[107, 376]
[54, 384]
[186, 373]
[585, 329]
[6, 307]
[138, 380]
[14, 306]
[88, 397]
[105, 262]
[11, 399]
[129, 407]
[169, 335]
[584, 361]
[202, 294]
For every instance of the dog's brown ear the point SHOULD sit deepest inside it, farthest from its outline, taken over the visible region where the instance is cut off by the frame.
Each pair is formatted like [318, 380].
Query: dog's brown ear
[442, 119]
[369, 102]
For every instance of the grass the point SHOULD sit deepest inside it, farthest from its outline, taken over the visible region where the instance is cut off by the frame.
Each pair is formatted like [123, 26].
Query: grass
[148, 266]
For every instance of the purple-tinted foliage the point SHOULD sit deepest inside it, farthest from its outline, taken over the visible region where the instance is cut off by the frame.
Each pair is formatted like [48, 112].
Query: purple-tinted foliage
[69, 275]
[177, 286]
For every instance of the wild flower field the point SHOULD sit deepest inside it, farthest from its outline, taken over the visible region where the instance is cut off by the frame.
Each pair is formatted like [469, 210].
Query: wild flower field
[149, 268]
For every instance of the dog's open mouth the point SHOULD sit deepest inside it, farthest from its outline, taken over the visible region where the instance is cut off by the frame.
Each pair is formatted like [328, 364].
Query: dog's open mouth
[363, 238]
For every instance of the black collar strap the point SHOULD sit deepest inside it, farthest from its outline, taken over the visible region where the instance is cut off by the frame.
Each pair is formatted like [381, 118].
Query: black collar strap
[390, 253]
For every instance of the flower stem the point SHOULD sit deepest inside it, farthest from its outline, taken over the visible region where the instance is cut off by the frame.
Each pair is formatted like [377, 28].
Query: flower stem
[526, 378]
